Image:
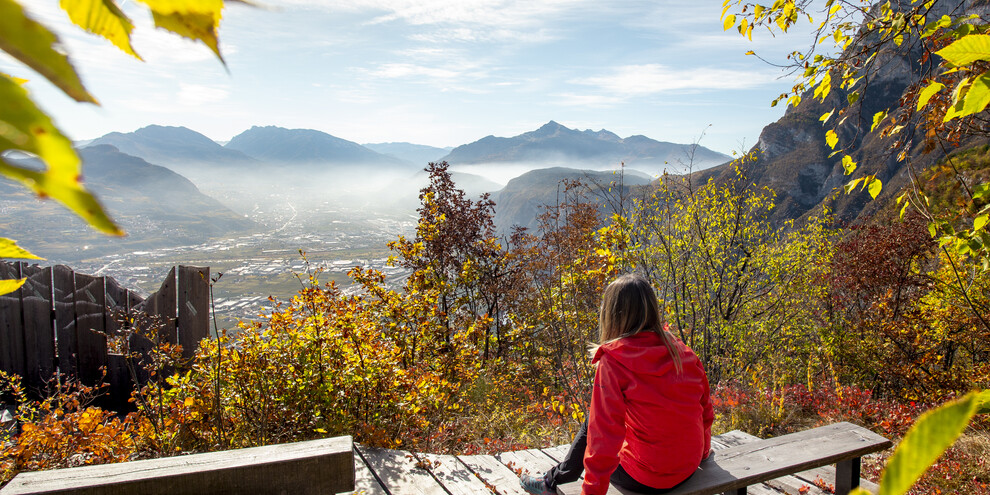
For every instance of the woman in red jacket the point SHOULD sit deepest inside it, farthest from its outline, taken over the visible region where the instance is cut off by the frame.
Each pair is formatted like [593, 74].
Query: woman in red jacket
[651, 416]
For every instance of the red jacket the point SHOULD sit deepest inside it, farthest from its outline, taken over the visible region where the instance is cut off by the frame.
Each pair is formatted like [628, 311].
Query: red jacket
[643, 414]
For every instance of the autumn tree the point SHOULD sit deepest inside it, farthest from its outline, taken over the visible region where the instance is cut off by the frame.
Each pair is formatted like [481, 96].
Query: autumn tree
[943, 47]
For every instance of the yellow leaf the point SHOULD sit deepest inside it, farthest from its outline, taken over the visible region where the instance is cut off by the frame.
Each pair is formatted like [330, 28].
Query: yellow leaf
[730, 20]
[875, 186]
[877, 119]
[38, 48]
[10, 249]
[193, 19]
[966, 50]
[189, 402]
[831, 138]
[24, 127]
[926, 94]
[102, 18]
[8, 286]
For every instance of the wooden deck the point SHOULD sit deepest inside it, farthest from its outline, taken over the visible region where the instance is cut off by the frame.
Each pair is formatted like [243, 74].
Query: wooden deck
[396, 472]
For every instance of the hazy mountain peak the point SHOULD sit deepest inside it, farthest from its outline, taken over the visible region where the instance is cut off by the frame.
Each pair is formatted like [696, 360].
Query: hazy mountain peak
[554, 144]
[168, 145]
[278, 144]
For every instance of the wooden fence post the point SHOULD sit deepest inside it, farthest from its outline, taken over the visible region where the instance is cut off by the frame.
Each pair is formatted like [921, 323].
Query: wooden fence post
[11, 325]
[118, 374]
[39, 334]
[91, 341]
[63, 290]
[194, 308]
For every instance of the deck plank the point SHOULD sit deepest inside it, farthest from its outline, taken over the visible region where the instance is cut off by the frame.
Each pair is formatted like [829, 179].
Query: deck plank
[397, 471]
[531, 461]
[557, 453]
[495, 475]
[365, 482]
[455, 477]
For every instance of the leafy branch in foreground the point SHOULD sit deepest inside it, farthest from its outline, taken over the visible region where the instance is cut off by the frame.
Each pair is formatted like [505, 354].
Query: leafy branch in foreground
[26, 128]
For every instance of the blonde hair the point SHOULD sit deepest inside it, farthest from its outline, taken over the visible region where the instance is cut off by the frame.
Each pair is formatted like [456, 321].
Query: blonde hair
[630, 306]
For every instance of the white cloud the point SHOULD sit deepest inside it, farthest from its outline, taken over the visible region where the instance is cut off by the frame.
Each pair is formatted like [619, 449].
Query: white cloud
[648, 79]
[461, 20]
[198, 94]
[585, 100]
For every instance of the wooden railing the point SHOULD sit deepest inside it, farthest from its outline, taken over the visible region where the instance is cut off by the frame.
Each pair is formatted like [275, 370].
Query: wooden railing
[60, 321]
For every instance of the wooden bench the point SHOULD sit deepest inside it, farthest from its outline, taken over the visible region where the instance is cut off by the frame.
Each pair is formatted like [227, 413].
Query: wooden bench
[314, 467]
[733, 469]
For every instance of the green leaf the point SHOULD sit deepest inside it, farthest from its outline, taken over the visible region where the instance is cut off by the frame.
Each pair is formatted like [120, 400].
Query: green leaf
[831, 138]
[975, 98]
[10, 249]
[927, 93]
[981, 190]
[24, 127]
[966, 50]
[853, 97]
[8, 286]
[979, 222]
[983, 400]
[848, 164]
[36, 46]
[102, 18]
[877, 119]
[193, 19]
[932, 433]
[876, 185]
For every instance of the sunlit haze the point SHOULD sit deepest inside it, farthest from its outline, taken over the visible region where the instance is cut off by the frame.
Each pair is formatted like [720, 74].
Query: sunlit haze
[437, 72]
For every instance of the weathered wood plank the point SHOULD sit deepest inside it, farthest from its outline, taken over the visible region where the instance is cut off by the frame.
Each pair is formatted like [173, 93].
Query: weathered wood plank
[365, 482]
[494, 474]
[118, 374]
[39, 335]
[455, 477]
[11, 325]
[63, 281]
[91, 341]
[755, 462]
[532, 461]
[140, 343]
[397, 471]
[193, 307]
[163, 307]
[824, 474]
[557, 453]
[313, 467]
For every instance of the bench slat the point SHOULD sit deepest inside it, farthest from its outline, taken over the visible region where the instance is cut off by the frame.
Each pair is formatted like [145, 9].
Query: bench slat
[756, 462]
[313, 467]
[810, 476]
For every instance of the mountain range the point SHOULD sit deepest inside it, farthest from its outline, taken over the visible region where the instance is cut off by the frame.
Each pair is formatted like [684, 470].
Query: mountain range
[555, 144]
[155, 206]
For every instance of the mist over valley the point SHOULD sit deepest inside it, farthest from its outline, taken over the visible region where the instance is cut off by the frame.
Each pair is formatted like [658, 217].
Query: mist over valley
[247, 208]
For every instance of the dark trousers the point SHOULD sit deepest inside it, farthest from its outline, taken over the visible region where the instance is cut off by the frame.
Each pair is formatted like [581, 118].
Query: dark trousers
[572, 466]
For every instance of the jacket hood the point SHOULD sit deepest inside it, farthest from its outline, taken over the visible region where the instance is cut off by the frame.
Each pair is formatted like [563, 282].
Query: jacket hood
[642, 353]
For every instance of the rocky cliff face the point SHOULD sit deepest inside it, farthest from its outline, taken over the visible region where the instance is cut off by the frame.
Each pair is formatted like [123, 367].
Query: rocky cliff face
[793, 159]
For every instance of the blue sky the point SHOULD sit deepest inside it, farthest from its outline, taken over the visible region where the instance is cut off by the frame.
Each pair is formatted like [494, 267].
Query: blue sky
[435, 72]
